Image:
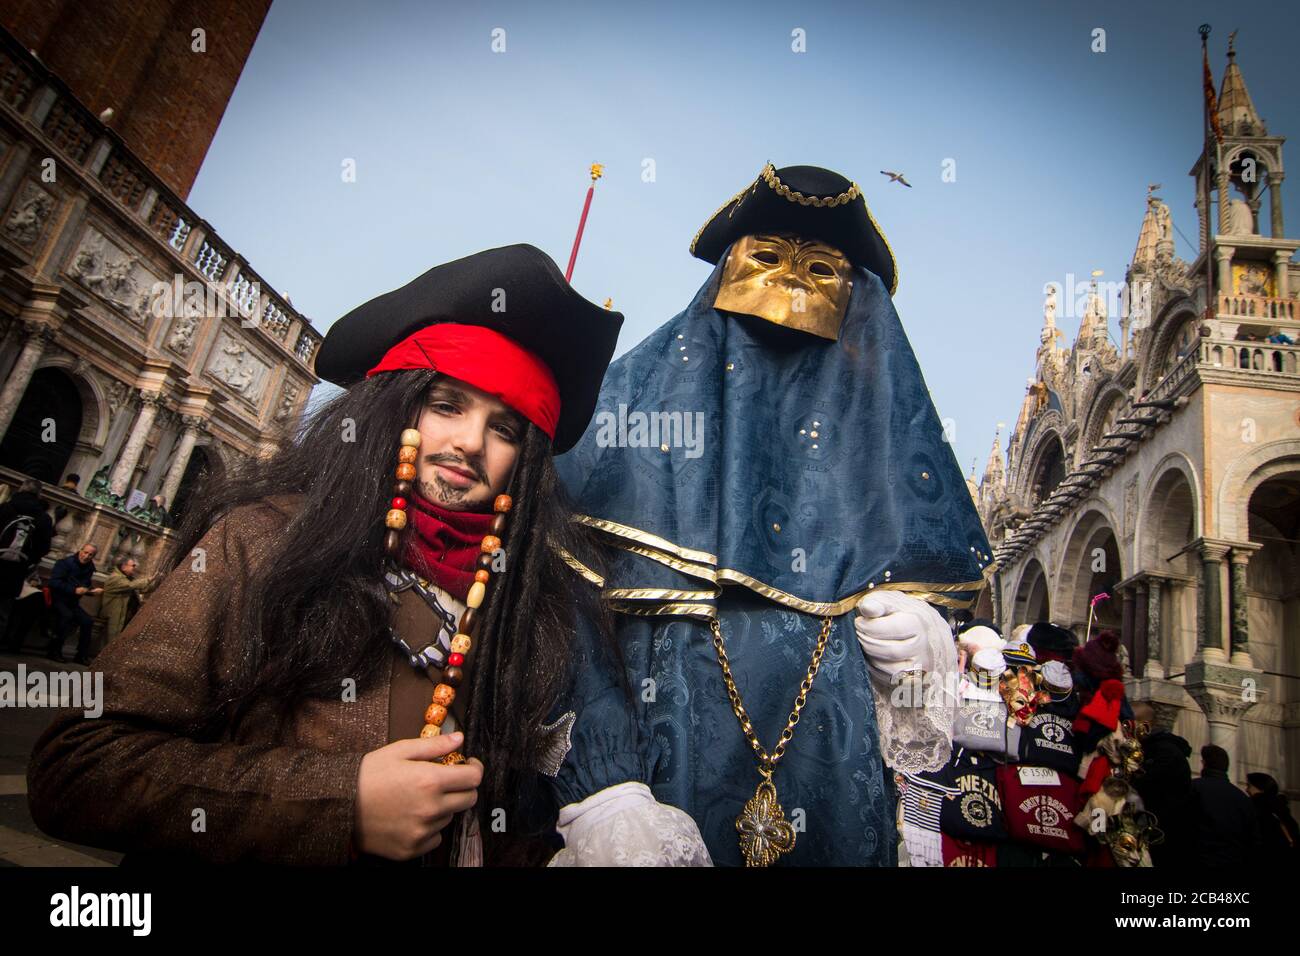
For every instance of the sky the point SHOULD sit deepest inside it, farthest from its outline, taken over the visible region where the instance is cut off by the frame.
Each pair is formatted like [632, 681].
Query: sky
[458, 148]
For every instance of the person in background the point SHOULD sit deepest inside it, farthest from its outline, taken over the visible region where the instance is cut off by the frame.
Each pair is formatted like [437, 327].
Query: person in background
[70, 580]
[1227, 833]
[31, 611]
[1165, 786]
[1097, 661]
[1278, 832]
[122, 590]
[25, 535]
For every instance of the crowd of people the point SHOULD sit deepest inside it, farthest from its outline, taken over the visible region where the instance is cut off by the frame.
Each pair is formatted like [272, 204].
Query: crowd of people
[52, 607]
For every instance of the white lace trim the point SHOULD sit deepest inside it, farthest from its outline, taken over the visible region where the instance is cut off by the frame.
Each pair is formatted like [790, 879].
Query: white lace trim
[624, 825]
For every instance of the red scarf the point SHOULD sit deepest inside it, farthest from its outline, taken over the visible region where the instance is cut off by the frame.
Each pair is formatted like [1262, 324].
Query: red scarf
[444, 544]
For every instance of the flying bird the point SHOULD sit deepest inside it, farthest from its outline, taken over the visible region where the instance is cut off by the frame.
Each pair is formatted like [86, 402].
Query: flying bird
[896, 178]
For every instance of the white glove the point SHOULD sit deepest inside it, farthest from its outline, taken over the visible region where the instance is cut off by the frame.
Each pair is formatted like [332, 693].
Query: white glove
[901, 633]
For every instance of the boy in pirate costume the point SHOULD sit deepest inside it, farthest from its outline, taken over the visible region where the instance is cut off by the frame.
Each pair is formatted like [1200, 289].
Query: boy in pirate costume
[346, 622]
[776, 586]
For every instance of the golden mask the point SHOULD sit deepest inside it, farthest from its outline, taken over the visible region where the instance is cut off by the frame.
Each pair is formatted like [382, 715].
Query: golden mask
[799, 283]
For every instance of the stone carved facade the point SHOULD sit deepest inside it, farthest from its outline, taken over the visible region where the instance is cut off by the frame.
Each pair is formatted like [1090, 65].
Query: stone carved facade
[142, 395]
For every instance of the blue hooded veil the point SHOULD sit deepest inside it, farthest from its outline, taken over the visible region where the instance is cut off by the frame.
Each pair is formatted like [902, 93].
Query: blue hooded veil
[729, 451]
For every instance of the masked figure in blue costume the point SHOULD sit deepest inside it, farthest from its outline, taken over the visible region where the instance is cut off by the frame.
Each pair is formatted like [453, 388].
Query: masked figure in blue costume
[785, 517]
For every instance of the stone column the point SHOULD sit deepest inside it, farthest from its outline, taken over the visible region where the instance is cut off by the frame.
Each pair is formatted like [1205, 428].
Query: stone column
[1210, 638]
[120, 477]
[1281, 259]
[1155, 665]
[995, 593]
[1225, 690]
[1225, 195]
[39, 336]
[13, 173]
[1127, 636]
[1225, 694]
[1240, 646]
[176, 471]
[1140, 645]
[1275, 206]
[1223, 283]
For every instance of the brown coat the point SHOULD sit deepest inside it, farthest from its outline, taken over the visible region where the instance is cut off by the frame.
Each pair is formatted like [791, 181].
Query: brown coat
[116, 601]
[133, 779]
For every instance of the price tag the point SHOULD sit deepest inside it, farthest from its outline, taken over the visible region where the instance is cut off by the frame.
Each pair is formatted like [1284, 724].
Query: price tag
[1039, 777]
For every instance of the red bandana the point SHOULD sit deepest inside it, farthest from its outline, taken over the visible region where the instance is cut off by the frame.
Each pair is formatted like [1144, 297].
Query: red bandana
[485, 359]
[442, 544]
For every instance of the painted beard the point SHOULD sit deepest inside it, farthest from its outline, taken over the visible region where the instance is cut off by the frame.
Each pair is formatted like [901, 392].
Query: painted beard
[443, 491]
[440, 491]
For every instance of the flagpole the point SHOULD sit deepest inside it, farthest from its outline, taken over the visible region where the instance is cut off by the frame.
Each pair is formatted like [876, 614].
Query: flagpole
[597, 170]
[1208, 81]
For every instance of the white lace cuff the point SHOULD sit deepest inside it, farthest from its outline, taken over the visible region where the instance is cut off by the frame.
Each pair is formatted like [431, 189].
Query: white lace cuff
[624, 825]
[915, 714]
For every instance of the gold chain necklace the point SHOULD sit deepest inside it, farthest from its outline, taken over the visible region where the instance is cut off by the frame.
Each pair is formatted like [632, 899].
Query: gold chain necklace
[764, 831]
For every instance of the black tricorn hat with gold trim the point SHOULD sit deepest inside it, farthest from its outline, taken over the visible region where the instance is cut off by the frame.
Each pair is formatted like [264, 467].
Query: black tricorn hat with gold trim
[807, 201]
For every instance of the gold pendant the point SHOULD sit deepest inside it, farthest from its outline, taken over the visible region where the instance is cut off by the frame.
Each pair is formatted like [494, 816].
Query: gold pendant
[764, 831]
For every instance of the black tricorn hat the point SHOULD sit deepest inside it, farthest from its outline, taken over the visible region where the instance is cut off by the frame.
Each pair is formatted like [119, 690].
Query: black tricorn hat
[538, 309]
[810, 202]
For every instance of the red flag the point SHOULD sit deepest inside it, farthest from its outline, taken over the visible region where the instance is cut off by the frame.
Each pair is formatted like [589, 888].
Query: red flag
[1211, 101]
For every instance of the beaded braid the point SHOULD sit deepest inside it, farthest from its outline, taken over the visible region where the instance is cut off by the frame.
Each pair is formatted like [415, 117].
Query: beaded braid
[445, 692]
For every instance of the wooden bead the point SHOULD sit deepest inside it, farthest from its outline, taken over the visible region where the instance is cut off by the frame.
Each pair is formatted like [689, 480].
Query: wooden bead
[408, 454]
[435, 714]
[402, 488]
[499, 525]
[477, 590]
[395, 519]
[484, 562]
[490, 543]
[406, 471]
[444, 694]
[392, 543]
[411, 436]
[461, 643]
[469, 622]
[502, 504]
[430, 730]
[482, 576]
[453, 675]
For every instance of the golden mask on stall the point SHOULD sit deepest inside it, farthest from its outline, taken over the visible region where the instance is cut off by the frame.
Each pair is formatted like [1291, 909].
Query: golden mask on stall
[802, 284]
[1019, 689]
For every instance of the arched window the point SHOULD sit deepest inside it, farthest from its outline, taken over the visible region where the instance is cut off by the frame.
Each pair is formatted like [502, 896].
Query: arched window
[45, 427]
[1050, 470]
